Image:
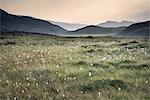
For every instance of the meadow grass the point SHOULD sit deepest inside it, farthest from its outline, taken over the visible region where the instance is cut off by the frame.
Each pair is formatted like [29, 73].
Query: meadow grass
[56, 68]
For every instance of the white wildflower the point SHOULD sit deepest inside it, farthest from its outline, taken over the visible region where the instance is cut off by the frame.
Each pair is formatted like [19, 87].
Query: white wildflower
[90, 74]
[27, 78]
[28, 84]
[7, 81]
[57, 66]
[112, 78]
[59, 74]
[36, 84]
[81, 68]
[70, 58]
[119, 88]
[15, 98]
[81, 91]
[63, 95]
[22, 91]
[99, 94]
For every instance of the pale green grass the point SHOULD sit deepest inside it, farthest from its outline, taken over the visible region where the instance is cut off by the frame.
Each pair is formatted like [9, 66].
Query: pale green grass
[55, 68]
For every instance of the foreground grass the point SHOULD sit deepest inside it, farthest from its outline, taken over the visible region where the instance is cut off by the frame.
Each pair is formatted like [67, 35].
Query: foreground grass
[55, 68]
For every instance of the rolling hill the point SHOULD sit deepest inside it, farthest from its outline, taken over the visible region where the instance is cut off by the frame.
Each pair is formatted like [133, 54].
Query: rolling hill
[137, 29]
[10, 23]
[95, 30]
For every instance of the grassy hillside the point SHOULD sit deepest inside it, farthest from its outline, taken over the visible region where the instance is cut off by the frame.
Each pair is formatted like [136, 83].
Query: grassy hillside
[96, 30]
[137, 29]
[11, 23]
[55, 68]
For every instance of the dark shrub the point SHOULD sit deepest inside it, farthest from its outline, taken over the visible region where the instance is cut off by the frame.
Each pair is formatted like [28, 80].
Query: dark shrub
[106, 84]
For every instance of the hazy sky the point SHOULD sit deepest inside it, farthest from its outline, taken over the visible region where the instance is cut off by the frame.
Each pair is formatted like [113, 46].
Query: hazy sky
[80, 11]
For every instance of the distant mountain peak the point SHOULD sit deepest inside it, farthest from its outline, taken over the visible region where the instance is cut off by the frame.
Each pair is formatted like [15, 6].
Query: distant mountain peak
[115, 24]
[68, 26]
[110, 22]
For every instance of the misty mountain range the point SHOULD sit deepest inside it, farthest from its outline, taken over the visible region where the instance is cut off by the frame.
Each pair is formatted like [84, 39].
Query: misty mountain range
[96, 30]
[138, 29]
[68, 26]
[11, 23]
[107, 24]
[116, 24]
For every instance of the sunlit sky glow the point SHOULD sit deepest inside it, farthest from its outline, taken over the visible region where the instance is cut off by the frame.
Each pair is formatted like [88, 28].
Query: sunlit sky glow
[80, 11]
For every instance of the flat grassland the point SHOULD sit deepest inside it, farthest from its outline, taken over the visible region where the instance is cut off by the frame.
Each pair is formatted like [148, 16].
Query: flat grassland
[57, 68]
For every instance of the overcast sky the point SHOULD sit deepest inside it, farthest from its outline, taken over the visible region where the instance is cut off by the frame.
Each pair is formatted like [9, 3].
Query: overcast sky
[80, 11]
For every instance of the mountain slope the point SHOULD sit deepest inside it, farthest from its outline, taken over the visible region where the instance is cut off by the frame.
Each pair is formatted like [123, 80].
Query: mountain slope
[115, 24]
[11, 22]
[137, 29]
[95, 30]
[68, 26]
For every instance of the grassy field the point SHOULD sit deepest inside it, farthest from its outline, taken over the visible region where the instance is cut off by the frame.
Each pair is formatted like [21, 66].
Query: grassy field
[56, 68]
